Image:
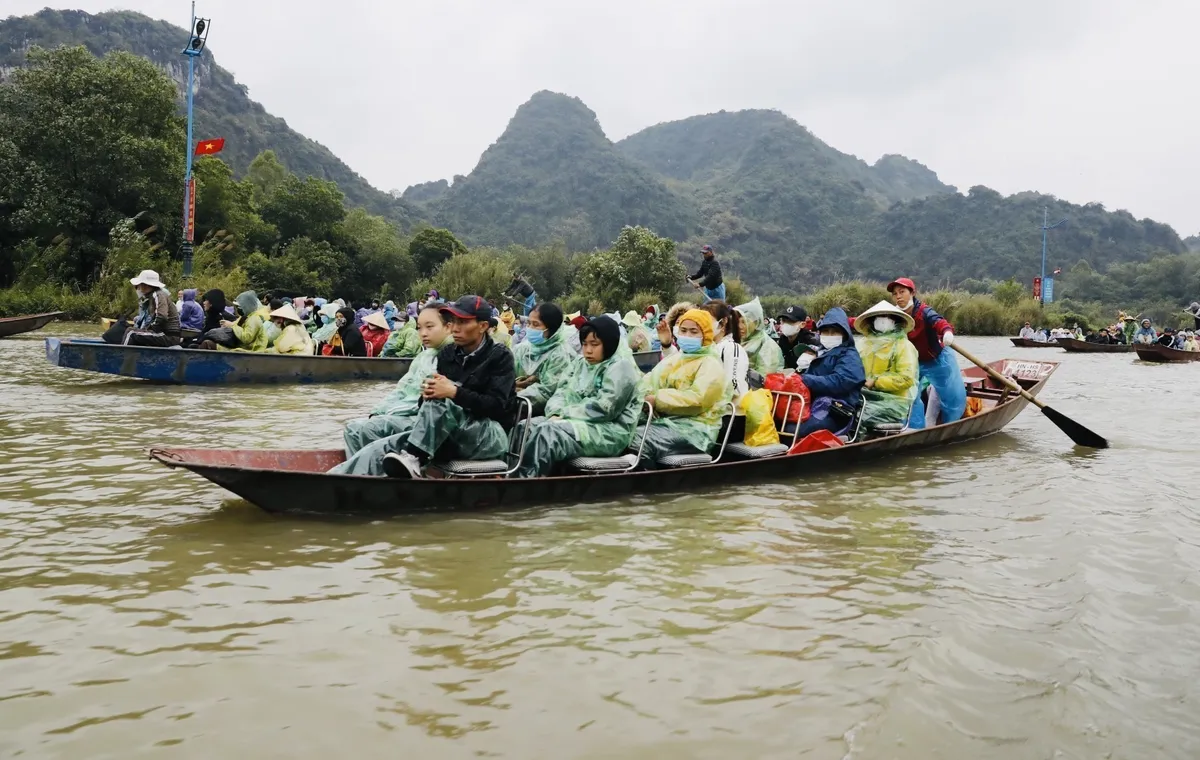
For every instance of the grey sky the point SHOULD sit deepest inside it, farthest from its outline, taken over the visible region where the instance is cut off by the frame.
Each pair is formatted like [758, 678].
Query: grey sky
[1091, 100]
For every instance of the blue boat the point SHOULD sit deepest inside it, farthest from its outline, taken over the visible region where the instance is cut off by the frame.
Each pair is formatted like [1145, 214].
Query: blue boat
[195, 367]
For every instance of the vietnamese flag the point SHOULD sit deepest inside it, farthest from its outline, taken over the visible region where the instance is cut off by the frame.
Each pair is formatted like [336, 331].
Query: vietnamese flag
[208, 147]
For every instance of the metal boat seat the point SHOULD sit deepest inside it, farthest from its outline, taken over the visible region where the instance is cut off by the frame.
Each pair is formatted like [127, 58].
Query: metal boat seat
[604, 464]
[743, 451]
[484, 468]
[671, 461]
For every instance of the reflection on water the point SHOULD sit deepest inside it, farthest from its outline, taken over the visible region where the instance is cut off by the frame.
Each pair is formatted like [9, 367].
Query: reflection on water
[1010, 598]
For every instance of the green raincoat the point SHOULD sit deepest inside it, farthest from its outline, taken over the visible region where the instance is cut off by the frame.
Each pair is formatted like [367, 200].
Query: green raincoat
[404, 342]
[394, 414]
[439, 427]
[765, 355]
[251, 333]
[691, 393]
[593, 413]
[890, 360]
[552, 361]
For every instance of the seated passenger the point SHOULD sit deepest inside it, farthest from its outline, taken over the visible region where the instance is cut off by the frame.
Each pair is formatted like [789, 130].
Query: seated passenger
[375, 333]
[249, 329]
[191, 316]
[834, 379]
[543, 360]
[637, 337]
[763, 352]
[688, 391]
[666, 327]
[889, 361]
[157, 321]
[727, 342]
[347, 340]
[795, 336]
[389, 314]
[269, 325]
[467, 404]
[500, 333]
[293, 338]
[1146, 335]
[404, 342]
[396, 413]
[593, 412]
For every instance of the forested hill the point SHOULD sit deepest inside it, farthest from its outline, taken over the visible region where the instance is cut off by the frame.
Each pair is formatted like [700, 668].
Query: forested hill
[785, 210]
[553, 175]
[223, 106]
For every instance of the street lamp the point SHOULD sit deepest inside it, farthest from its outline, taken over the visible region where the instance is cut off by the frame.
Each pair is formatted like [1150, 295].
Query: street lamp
[1046, 228]
[197, 41]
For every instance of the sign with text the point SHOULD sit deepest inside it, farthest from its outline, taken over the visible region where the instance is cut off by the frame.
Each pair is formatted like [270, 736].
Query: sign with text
[1037, 288]
[1048, 290]
[190, 228]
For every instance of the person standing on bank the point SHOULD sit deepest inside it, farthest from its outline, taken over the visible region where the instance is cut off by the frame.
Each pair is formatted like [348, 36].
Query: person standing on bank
[932, 335]
[708, 279]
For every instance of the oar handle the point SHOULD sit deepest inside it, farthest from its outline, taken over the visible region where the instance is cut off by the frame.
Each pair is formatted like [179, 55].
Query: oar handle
[1009, 382]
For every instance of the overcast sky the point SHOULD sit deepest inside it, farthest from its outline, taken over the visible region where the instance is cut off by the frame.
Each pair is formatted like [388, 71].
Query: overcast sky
[1091, 100]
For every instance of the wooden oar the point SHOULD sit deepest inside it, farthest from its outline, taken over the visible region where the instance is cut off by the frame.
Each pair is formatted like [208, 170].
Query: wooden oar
[1076, 432]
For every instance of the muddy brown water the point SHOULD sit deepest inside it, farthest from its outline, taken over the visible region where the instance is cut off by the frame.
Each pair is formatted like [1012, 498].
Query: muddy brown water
[1009, 598]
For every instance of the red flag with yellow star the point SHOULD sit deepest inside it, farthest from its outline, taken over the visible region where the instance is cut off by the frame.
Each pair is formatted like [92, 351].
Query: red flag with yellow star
[208, 147]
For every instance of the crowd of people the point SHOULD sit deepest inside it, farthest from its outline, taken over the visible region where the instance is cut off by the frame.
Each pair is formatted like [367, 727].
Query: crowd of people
[578, 374]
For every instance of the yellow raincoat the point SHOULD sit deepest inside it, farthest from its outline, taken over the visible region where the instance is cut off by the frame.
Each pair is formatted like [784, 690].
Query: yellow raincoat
[293, 340]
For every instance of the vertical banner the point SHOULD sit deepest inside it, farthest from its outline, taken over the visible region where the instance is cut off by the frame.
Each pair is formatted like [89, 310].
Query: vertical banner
[189, 232]
[1048, 290]
[1037, 288]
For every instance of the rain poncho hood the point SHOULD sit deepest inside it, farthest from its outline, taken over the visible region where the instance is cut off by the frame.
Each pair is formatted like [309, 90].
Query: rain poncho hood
[327, 315]
[601, 402]
[764, 353]
[250, 330]
[190, 314]
[389, 314]
[552, 360]
[691, 394]
[404, 342]
[248, 302]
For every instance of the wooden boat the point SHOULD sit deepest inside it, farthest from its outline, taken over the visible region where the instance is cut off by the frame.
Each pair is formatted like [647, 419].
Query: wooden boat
[297, 481]
[1076, 346]
[1159, 354]
[186, 333]
[1027, 343]
[29, 323]
[195, 367]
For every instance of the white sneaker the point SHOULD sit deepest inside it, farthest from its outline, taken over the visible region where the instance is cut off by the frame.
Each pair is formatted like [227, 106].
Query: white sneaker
[402, 465]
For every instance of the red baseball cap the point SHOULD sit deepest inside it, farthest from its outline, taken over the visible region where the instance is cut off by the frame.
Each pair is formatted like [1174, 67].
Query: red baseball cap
[469, 307]
[903, 282]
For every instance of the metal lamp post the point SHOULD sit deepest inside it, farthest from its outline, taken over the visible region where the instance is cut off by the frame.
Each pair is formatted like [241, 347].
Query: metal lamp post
[199, 37]
[1045, 229]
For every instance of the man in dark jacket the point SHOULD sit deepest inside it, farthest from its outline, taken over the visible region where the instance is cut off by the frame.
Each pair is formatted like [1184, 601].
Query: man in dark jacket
[708, 279]
[468, 404]
[835, 378]
[795, 337]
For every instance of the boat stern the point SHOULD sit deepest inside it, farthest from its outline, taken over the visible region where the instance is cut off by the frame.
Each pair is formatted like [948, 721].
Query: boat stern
[53, 349]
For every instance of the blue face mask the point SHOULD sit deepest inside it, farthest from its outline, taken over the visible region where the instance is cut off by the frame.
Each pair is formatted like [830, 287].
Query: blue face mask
[688, 344]
[535, 336]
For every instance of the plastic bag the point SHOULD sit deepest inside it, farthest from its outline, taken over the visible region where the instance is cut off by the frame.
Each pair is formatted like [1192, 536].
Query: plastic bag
[760, 427]
[789, 383]
[815, 441]
[222, 336]
[883, 408]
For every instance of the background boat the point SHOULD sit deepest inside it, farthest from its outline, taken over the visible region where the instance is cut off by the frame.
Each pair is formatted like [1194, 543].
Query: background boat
[1160, 354]
[1075, 345]
[297, 481]
[1027, 343]
[28, 323]
[196, 367]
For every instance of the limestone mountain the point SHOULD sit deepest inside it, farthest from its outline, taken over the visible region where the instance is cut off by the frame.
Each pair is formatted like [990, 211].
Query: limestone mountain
[223, 107]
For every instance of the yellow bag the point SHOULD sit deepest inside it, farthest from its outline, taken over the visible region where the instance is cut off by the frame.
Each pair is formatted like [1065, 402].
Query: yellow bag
[760, 426]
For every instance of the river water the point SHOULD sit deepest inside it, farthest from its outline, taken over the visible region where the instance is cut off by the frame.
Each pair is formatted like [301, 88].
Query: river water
[1010, 598]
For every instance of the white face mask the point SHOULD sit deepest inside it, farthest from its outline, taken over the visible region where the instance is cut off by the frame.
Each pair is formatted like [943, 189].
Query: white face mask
[831, 341]
[789, 329]
[884, 324]
[803, 361]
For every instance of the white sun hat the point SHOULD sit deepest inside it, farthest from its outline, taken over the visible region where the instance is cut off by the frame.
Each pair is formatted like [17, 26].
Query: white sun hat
[147, 277]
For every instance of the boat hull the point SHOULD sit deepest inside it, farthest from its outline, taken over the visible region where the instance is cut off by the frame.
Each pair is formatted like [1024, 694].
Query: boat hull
[1027, 343]
[297, 482]
[196, 367]
[1075, 346]
[1160, 354]
[29, 323]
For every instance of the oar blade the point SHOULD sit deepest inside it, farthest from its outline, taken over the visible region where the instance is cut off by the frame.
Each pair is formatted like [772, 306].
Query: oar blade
[1076, 432]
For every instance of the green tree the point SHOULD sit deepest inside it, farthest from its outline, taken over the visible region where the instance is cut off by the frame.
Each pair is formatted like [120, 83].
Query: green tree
[430, 247]
[383, 267]
[639, 260]
[1008, 293]
[479, 273]
[310, 207]
[225, 204]
[266, 175]
[304, 266]
[84, 143]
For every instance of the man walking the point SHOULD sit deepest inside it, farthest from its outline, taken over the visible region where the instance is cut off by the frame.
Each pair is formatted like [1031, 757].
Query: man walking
[708, 280]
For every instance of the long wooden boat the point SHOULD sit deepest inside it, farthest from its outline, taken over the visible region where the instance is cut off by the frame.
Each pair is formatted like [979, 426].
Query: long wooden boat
[29, 323]
[1159, 354]
[195, 367]
[297, 481]
[1027, 343]
[1076, 346]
